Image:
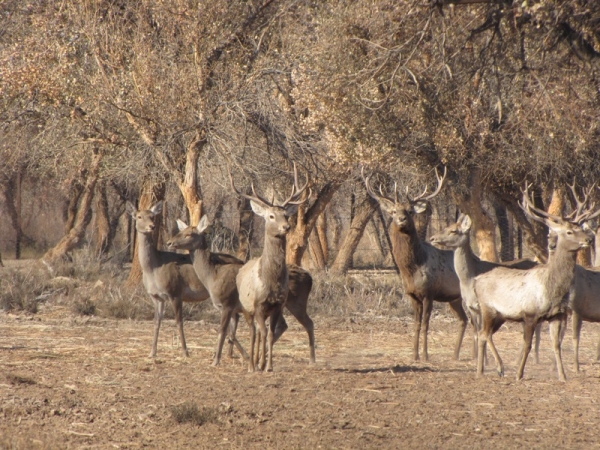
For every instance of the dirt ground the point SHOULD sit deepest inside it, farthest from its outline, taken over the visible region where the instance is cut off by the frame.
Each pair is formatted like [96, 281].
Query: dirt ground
[69, 382]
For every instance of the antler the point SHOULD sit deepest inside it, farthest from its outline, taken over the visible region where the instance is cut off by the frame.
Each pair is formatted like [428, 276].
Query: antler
[436, 192]
[370, 190]
[529, 209]
[293, 199]
[295, 196]
[583, 211]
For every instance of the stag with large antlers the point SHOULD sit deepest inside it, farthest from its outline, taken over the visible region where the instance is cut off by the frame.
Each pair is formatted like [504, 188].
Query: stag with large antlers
[533, 295]
[263, 282]
[427, 272]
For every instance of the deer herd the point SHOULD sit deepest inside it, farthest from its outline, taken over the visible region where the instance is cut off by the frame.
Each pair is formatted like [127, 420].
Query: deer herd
[486, 294]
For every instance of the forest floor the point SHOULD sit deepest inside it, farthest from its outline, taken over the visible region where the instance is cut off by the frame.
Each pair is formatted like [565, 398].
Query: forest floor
[70, 382]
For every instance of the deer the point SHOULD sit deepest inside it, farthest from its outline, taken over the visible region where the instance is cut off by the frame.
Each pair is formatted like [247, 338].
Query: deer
[218, 272]
[427, 272]
[467, 265]
[532, 295]
[584, 300]
[166, 276]
[263, 282]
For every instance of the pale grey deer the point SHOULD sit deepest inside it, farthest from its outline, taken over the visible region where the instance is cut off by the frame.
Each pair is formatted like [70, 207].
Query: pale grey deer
[530, 296]
[263, 283]
[166, 276]
[427, 272]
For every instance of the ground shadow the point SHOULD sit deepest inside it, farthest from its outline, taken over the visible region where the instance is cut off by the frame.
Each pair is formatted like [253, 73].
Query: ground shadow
[394, 369]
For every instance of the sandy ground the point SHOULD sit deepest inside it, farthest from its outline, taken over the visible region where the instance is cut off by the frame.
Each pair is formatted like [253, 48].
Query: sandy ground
[68, 382]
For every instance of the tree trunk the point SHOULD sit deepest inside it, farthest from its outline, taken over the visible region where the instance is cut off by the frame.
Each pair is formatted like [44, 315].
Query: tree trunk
[83, 216]
[245, 227]
[189, 184]
[10, 193]
[102, 220]
[483, 227]
[151, 193]
[507, 245]
[297, 238]
[316, 251]
[322, 233]
[363, 213]
[75, 192]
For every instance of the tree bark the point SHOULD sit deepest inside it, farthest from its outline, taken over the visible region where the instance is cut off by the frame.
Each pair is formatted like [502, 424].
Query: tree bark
[297, 238]
[102, 220]
[316, 251]
[507, 245]
[151, 193]
[322, 233]
[188, 185]
[363, 213]
[483, 226]
[83, 217]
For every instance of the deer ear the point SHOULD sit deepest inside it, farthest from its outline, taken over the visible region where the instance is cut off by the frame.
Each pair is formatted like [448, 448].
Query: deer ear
[387, 205]
[258, 208]
[203, 224]
[181, 225]
[465, 223]
[157, 208]
[420, 206]
[131, 210]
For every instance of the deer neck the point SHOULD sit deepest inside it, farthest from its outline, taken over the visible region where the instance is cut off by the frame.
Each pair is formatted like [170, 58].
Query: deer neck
[465, 262]
[147, 253]
[200, 255]
[272, 267]
[560, 271]
[408, 250]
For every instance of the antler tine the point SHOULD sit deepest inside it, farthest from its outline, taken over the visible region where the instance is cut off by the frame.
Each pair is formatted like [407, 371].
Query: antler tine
[440, 181]
[294, 198]
[575, 216]
[255, 198]
[370, 189]
[259, 197]
[532, 209]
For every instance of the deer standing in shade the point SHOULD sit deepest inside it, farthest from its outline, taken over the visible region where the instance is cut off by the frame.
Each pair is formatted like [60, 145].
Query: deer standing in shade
[263, 283]
[427, 272]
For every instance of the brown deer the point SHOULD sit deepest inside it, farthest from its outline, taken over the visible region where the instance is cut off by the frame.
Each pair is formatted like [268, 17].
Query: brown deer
[218, 271]
[533, 295]
[467, 266]
[166, 276]
[427, 272]
[263, 283]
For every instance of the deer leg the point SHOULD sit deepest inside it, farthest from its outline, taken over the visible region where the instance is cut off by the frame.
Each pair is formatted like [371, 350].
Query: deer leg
[233, 324]
[159, 311]
[528, 331]
[538, 336]
[489, 326]
[225, 321]
[457, 308]
[178, 307]
[299, 312]
[576, 322]
[262, 334]
[275, 315]
[556, 327]
[427, 307]
[418, 310]
[598, 351]
[280, 328]
[250, 320]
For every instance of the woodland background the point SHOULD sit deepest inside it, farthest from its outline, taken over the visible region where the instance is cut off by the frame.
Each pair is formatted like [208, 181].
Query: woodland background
[111, 100]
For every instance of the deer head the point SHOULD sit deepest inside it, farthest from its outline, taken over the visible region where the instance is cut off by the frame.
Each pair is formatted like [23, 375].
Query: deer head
[402, 212]
[573, 228]
[455, 235]
[190, 238]
[276, 216]
[144, 220]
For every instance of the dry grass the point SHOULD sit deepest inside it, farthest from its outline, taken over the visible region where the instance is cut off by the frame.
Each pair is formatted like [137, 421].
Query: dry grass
[189, 412]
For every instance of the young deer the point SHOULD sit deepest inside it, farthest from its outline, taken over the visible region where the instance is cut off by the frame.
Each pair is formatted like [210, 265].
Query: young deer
[263, 282]
[468, 266]
[166, 276]
[427, 272]
[533, 295]
[218, 271]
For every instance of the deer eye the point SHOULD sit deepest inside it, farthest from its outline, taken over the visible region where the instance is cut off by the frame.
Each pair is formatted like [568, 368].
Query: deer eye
[272, 216]
[569, 232]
